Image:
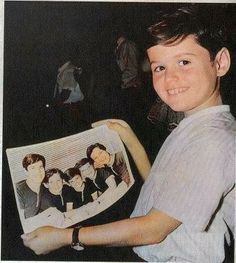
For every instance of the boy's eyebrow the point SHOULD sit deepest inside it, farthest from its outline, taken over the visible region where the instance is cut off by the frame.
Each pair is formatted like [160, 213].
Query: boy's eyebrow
[154, 62]
[184, 54]
[178, 55]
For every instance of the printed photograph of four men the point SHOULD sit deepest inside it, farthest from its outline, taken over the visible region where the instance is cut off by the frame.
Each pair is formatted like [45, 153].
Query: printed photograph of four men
[65, 181]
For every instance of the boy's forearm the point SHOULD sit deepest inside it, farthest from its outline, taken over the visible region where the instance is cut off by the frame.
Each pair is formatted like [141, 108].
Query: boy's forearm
[144, 230]
[139, 156]
[128, 232]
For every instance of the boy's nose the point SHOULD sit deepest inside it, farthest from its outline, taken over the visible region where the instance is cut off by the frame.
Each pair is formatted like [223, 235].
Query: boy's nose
[171, 74]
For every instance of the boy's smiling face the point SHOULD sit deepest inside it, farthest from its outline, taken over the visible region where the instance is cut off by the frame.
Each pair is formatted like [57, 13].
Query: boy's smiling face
[184, 76]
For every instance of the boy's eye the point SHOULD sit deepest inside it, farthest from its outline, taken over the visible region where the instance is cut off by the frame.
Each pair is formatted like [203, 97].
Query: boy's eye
[159, 68]
[184, 62]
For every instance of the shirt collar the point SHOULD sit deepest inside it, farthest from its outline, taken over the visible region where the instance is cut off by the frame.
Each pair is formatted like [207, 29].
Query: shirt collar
[206, 112]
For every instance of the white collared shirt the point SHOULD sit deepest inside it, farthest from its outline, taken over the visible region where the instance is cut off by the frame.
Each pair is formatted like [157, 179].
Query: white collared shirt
[193, 170]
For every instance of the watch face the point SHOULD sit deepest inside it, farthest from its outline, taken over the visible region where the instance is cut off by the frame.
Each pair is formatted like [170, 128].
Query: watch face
[77, 247]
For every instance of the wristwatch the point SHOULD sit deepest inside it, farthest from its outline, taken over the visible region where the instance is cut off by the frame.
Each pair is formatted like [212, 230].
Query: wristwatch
[76, 244]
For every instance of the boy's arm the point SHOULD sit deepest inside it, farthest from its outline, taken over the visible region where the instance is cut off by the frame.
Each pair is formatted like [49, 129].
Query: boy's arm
[145, 230]
[132, 143]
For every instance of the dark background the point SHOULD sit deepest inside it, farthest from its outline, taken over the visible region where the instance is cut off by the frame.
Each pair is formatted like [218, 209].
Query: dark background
[38, 38]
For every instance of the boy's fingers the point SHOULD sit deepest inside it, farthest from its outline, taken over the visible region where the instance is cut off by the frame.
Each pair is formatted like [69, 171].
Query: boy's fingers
[106, 121]
[114, 125]
[109, 121]
[28, 236]
[118, 121]
[99, 123]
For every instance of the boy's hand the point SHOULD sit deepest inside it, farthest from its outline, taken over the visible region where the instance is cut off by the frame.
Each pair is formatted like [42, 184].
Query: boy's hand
[45, 239]
[134, 146]
[121, 127]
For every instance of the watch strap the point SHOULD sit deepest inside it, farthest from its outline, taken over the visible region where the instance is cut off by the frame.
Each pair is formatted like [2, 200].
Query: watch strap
[76, 244]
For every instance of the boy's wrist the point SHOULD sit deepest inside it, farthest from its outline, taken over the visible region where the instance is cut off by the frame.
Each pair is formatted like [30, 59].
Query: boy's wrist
[131, 140]
[68, 236]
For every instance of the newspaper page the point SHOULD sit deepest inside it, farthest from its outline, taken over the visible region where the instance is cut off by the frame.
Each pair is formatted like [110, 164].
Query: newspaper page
[65, 181]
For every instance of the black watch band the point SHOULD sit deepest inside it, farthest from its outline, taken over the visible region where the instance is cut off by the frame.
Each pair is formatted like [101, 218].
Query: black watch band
[76, 244]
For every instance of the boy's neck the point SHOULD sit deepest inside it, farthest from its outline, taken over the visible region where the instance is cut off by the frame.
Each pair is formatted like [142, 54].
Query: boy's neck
[35, 187]
[213, 101]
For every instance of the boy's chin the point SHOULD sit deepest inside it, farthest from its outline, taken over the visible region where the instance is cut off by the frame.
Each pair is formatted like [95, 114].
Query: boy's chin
[178, 108]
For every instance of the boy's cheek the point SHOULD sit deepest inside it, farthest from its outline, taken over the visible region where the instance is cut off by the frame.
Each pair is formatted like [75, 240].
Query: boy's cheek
[158, 87]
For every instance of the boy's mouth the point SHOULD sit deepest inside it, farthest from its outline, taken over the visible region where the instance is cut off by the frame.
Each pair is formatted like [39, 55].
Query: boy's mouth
[176, 90]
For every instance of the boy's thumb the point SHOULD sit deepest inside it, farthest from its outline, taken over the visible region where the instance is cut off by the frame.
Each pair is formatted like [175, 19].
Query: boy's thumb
[28, 236]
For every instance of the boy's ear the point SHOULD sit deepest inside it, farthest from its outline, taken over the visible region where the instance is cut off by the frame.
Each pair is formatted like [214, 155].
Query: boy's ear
[222, 60]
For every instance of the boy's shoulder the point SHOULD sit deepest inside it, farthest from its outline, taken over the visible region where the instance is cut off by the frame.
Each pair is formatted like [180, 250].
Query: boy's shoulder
[212, 119]
[220, 124]
[215, 129]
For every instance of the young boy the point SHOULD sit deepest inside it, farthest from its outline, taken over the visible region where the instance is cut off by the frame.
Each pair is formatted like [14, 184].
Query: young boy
[186, 202]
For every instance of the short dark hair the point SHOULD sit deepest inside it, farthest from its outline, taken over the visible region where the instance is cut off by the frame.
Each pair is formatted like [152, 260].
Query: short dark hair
[91, 148]
[82, 162]
[50, 172]
[70, 173]
[32, 158]
[204, 22]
